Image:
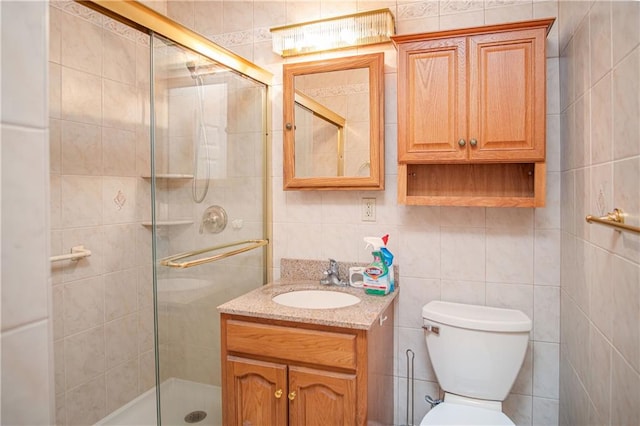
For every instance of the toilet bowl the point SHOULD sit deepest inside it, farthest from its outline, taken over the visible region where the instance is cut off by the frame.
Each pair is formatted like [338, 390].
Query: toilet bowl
[476, 353]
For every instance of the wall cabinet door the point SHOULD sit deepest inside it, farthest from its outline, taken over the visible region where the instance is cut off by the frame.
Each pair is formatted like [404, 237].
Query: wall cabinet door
[507, 96]
[321, 397]
[432, 101]
[257, 392]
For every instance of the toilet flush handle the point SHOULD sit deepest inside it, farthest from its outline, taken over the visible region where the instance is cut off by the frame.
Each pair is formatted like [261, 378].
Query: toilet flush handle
[432, 328]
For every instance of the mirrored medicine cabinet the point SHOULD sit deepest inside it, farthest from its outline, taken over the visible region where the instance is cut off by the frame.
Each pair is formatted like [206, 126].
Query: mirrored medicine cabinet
[334, 124]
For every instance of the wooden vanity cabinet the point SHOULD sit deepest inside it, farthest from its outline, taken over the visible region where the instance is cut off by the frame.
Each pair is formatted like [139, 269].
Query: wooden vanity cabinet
[467, 99]
[289, 373]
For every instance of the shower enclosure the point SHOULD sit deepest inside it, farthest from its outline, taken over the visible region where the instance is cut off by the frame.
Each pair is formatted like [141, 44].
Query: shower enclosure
[158, 183]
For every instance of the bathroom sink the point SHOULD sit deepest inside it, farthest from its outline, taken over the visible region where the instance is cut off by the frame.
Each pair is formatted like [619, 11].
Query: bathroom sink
[316, 299]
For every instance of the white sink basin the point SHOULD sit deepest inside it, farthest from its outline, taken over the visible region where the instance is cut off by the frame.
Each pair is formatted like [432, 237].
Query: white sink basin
[316, 299]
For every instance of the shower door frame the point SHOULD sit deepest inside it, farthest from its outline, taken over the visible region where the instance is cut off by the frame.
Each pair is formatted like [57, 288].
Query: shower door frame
[151, 22]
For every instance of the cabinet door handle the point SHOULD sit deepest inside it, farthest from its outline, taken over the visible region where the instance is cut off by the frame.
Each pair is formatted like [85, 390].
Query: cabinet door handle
[473, 142]
[462, 142]
[278, 393]
[291, 396]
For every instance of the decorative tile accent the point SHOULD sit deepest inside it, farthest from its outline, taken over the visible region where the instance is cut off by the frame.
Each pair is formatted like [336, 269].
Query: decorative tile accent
[119, 200]
[417, 10]
[458, 6]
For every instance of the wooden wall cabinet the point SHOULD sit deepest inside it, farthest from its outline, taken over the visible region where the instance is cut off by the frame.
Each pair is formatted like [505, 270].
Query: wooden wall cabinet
[283, 373]
[472, 116]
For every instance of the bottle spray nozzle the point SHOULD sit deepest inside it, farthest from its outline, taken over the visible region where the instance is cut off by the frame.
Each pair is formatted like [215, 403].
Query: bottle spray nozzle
[374, 242]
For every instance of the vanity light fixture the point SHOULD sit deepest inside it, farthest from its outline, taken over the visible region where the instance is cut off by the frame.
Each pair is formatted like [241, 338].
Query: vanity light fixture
[358, 29]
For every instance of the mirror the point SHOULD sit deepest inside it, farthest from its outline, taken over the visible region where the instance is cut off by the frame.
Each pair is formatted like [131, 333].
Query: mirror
[334, 124]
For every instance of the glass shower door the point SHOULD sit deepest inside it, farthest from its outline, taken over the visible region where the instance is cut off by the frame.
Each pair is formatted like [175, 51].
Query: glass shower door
[208, 186]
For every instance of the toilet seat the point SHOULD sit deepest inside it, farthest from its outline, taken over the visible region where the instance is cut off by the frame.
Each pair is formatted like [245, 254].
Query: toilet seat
[448, 413]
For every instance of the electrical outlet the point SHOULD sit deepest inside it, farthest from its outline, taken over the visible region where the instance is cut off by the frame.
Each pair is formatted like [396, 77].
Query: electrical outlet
[368, 210]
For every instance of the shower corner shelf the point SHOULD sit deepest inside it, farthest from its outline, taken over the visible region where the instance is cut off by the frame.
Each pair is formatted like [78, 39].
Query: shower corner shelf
[170, 176]
[168, 223]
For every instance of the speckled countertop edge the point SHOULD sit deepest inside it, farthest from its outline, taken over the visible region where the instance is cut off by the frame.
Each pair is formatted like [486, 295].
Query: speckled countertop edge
[258, 303]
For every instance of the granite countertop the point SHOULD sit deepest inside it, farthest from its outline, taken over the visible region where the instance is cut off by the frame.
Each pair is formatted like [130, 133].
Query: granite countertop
[258, 303]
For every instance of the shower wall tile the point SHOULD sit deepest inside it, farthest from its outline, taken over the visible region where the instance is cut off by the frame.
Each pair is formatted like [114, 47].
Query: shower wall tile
[81, 96]
[55, 35]
[80, 143]
[119, 152]
[119, 54]
[55, 89]
[84, 357]
[55, 195]
[121, 340]
[145, 330]
[146, 372]
[81, 201]
[120, 294]
[120, 105]
[57, 297]
[81, 44]
[86, 404]
[83, 305]
[121, 384]
[55, 146]
[119, 246]
[208, 17]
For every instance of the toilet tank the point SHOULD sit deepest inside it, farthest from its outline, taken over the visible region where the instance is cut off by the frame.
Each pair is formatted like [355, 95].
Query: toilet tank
[476, 351]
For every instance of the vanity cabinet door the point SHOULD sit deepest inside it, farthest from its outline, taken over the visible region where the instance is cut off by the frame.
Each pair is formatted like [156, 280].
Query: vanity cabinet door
[257, 393]
[321, 397]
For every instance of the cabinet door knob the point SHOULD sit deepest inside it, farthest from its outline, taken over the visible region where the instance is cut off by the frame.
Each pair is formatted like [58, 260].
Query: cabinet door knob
[462, 142]
[291, 396]
[278, 393]
[473, 142]
[288, 126]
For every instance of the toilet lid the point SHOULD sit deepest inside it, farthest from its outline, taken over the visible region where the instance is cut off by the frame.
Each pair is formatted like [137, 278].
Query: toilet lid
[447, 413]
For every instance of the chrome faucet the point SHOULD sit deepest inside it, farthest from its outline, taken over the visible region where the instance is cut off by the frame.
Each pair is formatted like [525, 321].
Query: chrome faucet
[331, 275]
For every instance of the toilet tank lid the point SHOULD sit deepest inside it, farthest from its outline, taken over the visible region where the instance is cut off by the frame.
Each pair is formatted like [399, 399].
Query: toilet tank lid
[476, 317]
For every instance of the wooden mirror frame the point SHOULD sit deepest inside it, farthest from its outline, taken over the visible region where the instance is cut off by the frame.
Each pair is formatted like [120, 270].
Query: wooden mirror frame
[375, 181]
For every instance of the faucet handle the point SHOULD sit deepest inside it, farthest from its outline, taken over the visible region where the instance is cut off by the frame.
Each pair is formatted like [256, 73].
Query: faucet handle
[333, 265]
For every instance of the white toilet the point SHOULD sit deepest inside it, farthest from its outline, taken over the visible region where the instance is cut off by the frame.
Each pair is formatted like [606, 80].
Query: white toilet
[476, 353]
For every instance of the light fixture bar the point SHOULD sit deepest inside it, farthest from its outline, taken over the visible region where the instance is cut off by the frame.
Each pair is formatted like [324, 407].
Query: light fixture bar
[358, 29]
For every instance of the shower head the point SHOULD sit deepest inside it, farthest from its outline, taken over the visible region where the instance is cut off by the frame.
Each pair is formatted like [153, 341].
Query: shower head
[191, 66]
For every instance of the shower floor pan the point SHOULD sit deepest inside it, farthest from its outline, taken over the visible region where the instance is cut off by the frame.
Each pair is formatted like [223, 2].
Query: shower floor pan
[179, 399]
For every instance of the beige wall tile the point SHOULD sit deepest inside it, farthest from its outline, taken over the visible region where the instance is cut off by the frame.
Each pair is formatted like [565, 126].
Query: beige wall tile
[121, 340]
[86, 403]
[83, 305]
[121, 384]
[80, 144]
[83, 360]
[81, 97]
